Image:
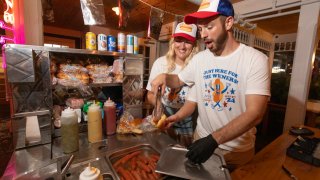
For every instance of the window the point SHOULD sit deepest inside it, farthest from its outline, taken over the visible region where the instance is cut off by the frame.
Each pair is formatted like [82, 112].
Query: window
[54, 40]
[314, 92]
[55, 45]
[280, 77]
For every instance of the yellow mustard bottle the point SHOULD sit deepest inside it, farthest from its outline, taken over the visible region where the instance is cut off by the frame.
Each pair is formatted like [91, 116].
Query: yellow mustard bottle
[94, 123]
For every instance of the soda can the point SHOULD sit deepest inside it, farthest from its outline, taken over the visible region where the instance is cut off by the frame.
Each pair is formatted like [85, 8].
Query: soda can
[91, 39]
[135, 45]
[102, 42]
[111, 43]
[130, 43]
[121, 42]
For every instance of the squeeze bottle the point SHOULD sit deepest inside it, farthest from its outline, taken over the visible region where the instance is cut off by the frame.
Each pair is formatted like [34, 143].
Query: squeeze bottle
[110, 116]
[94, 123]
[69, 131]
[90, 173]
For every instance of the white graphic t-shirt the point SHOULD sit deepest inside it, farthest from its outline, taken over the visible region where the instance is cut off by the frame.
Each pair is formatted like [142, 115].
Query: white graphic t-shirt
[174, 98]
[221, 85]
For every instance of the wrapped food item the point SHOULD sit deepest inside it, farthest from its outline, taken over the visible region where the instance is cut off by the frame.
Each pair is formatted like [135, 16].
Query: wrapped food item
[98, 69]
[79, 76]
[117, 66]
[128, 124]
[99, 76]
[118, 78]
[100, 73]
[118, 70]
[101, 80]
[75, 103]
[72, 75]
[72, 79]
[69, 83]
[72, 68]
[53, 66]
[135, 123]
[54, 80]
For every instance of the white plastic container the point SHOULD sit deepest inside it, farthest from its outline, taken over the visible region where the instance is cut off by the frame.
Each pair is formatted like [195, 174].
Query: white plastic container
[69, 131]
[90, 173]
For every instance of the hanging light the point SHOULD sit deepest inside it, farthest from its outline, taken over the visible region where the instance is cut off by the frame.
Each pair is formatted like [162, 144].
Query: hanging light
[116, 10]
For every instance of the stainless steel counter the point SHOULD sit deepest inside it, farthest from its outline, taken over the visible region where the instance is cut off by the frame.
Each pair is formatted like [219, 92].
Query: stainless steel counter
[27, 161]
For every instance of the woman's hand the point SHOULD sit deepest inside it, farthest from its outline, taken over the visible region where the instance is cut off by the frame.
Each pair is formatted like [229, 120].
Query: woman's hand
[159, 81]
[163, 80]
[171, 120]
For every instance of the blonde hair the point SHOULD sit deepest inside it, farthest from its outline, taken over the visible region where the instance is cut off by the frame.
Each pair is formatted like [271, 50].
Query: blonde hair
[171, 56]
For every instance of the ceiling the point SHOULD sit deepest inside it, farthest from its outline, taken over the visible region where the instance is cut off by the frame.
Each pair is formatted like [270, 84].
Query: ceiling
[68, 14]
[280, 25]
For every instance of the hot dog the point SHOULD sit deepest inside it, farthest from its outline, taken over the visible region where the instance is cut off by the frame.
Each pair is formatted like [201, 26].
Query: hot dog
[129, 156]
[125, 174]
[143, 166]
[144, 174]
[133, 163]
[136, 175]
[143, 159]
[161, 122]
[154, 158]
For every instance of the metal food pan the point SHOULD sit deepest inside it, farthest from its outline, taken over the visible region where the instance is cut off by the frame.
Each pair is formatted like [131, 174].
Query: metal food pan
[111, 158]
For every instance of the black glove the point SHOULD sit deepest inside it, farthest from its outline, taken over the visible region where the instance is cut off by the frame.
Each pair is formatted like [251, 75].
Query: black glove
[201, 150]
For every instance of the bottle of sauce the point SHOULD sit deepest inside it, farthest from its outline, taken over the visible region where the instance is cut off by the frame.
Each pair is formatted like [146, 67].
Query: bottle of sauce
[90, 173]
[69, 131]
[94, 123]
[110, 116]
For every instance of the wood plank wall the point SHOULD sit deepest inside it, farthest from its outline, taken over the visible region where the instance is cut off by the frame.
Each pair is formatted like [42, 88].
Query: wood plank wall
[258, 32]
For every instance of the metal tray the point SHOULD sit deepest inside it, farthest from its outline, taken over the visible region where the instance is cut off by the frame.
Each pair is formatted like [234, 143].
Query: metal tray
[115, 156]
[173, 162]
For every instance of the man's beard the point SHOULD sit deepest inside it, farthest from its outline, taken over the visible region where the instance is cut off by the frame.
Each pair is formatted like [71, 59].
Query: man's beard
[219, 44]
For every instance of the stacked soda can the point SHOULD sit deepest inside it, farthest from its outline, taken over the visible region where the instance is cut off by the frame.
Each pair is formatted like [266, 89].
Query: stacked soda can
[111, 43]
[91, 43]
[121, 42]
[135, 45]
[124, 43]
[129, 44]
[102, 42]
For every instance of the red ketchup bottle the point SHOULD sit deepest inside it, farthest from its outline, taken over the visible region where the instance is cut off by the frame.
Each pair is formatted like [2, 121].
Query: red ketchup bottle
[110, 116]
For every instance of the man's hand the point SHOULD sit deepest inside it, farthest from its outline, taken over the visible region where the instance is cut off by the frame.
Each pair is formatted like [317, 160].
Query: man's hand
[201, 150]
[159, 81]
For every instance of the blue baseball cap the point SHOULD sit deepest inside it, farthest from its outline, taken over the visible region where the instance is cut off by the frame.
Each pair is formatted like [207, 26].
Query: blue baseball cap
[210, 8]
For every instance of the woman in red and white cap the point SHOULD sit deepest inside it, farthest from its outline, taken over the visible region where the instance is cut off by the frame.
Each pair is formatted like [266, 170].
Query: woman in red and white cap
[182, 47]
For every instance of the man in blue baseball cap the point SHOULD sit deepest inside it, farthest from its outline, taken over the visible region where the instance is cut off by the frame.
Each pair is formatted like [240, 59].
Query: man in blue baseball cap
[232, 84]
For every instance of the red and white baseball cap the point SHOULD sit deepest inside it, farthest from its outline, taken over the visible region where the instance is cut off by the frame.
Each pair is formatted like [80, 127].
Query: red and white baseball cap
[209, 8]
[188, 31]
